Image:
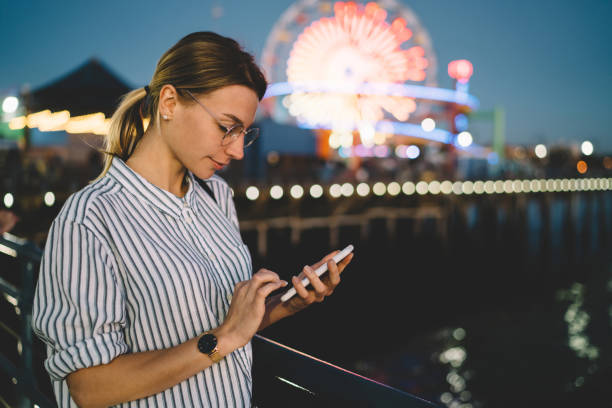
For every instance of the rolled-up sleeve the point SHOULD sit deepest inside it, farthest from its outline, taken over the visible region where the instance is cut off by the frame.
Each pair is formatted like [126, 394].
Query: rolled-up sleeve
[79, 306]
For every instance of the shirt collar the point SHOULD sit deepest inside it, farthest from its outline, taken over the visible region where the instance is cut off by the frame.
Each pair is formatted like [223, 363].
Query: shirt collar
[150, 193]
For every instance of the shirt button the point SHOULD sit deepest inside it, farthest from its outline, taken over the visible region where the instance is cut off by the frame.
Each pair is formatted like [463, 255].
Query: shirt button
[188, 220]
[212, 257]
[185, 204]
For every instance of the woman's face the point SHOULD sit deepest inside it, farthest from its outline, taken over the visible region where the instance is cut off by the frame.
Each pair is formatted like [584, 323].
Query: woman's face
[194, 136]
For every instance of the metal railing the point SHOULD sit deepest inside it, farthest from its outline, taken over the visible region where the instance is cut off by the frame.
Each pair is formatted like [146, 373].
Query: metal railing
[27, 257]
[287, 377]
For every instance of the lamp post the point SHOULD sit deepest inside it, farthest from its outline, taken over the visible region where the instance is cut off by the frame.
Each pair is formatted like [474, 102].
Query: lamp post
[12, 107]
[25, 99]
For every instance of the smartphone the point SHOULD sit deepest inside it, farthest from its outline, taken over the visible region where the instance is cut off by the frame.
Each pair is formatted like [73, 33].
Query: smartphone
[319, 271]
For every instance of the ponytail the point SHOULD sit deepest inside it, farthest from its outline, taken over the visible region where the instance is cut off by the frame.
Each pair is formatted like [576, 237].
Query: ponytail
[126, 129]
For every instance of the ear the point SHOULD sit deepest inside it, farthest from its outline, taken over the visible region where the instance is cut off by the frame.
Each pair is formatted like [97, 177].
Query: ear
[168, 99]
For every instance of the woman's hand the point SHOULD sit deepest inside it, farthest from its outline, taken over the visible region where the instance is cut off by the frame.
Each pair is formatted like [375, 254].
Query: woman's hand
[249, 305]
[319, 288]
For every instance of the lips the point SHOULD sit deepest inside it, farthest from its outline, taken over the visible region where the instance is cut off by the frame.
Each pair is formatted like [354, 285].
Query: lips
[218, 165]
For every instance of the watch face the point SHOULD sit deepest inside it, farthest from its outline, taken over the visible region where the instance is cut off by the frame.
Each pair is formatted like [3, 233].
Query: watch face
[207, 343]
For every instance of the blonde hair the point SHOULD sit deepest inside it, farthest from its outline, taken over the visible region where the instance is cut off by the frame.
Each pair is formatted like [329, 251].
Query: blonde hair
[200, 62]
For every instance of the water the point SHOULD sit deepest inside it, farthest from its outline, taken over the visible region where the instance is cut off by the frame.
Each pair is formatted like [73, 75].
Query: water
[510, 306]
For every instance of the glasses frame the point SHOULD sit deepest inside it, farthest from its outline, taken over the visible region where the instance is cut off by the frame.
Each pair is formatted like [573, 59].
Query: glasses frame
[227, 138]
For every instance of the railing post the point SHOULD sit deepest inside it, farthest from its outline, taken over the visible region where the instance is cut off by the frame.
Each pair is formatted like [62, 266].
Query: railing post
[27, 291]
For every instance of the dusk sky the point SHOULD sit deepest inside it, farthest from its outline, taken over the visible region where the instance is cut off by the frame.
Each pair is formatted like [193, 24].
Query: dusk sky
[547, 63]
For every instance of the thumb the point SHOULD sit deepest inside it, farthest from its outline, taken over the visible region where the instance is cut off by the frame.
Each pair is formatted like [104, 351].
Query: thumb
[268, 288]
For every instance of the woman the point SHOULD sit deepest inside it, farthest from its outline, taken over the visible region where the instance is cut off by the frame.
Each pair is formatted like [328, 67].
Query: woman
[146, 295]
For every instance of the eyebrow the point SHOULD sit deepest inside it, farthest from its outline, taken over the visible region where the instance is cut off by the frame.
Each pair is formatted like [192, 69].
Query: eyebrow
[234, 118]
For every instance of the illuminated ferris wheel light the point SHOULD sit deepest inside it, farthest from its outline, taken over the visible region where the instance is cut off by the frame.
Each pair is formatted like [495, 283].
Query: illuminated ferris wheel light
[335, 140]
[380, 138]
[355, 46]
[367, 133]
[346, 139]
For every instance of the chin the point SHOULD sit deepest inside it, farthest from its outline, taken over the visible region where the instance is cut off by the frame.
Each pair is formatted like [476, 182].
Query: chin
[202, 172]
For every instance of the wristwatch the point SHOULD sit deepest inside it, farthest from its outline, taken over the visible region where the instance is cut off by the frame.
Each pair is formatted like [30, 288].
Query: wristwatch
[207, 344]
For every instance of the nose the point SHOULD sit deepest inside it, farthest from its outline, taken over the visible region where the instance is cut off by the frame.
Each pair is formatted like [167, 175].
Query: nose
[236, 149]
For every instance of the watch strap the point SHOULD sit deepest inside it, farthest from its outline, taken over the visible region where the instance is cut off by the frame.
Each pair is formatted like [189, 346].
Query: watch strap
[215, 356]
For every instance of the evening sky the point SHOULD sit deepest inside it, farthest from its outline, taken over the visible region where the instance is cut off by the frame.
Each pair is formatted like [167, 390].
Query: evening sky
[547, 63]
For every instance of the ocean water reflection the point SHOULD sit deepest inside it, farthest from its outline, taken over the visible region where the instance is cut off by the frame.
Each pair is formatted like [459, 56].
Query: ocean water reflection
[497, 301]
[550, 348]
[554, 353]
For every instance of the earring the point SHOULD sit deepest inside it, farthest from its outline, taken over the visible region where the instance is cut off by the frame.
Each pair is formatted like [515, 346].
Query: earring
[165, 117]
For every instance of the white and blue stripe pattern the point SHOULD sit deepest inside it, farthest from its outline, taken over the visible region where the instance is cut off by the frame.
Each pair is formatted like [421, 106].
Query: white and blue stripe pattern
[129, 267]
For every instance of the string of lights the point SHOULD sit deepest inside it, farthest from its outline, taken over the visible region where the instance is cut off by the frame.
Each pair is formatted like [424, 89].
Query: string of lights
[407, 188]
[434, 187]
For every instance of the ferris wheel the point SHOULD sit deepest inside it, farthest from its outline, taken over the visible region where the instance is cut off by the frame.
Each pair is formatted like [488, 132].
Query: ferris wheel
[344, 65]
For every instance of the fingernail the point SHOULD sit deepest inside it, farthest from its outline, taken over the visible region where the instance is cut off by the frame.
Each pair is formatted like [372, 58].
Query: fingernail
[284, 283]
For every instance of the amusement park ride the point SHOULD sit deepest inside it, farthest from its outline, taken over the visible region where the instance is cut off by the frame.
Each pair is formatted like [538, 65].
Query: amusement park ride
[363, 77]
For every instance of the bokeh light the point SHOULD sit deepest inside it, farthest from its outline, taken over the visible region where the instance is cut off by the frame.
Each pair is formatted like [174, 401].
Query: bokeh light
[10, 104]
[412, 152]
[379, 189]
[540, 151]
[252, 193]
[49, 198]
[276, 192]
[347, 189]
[9, 200]
[422, 187]
[316, 191]
[428, 124]
[296, 191]
[394, 188]
[464, 139]
[587, 148]
[408, 188]
[363, 189]
[335, 190]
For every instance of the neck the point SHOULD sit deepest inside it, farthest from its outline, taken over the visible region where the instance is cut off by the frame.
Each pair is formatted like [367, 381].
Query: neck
[155, 162]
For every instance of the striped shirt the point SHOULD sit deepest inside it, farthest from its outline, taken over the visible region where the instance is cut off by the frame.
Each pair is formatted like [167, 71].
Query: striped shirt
[129, 267]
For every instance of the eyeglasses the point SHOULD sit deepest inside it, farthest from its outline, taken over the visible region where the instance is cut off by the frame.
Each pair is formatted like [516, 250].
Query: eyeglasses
[231, 133]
